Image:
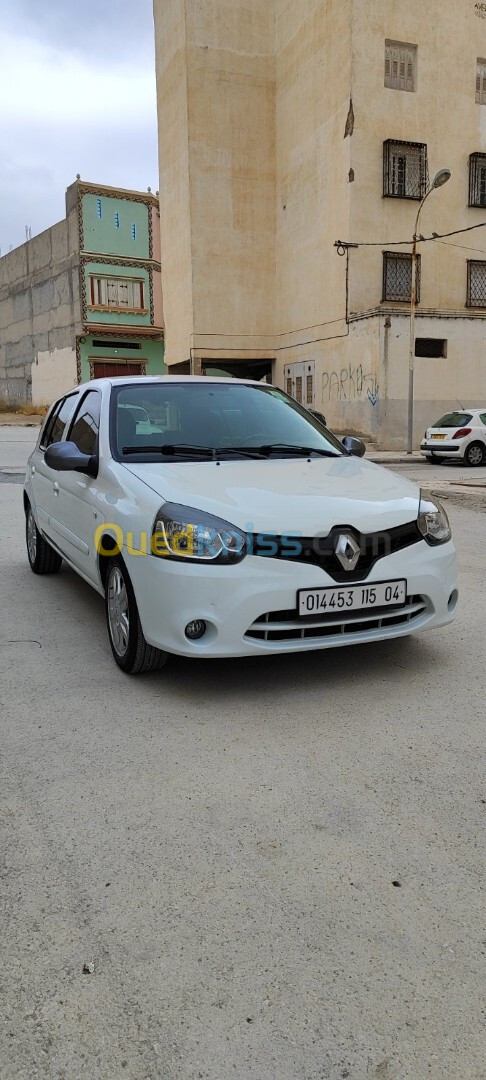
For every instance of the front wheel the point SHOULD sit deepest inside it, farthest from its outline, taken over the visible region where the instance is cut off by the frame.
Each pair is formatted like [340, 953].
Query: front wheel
[128, 645]
[475, 454]
[42, 558]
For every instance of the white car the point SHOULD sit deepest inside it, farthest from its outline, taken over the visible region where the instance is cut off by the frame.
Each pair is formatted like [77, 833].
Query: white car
[459, 435]
[237, 527]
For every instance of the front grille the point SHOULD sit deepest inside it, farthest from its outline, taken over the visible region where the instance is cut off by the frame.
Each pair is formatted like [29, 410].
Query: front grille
[320, 550]
[286, 625]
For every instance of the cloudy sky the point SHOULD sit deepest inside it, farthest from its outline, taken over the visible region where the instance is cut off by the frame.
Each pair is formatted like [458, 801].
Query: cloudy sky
[77, 93]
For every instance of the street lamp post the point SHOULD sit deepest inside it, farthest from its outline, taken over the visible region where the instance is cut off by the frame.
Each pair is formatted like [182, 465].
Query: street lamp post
[440, 178]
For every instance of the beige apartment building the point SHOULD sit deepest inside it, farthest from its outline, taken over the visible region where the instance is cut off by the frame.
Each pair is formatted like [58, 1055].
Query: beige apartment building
[288, 125]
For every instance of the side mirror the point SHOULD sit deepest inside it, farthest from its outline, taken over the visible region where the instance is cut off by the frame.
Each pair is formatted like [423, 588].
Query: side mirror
[355, 447]
[65, 457]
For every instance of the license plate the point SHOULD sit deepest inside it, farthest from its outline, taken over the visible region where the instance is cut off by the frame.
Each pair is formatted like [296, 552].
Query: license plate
[437, 436]
[351, 598]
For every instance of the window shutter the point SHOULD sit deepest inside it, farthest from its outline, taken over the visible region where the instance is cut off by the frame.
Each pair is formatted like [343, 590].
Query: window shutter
[400, 66]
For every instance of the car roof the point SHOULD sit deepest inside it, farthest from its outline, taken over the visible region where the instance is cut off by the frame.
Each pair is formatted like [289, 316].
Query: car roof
[154, 380]
[466, 408]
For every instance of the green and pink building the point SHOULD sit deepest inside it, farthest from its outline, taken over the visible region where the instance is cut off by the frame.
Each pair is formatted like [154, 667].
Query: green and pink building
[84, 298]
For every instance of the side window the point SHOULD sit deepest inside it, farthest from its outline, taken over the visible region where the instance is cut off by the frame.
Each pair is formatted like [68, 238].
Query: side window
[84, 431]
[58, 419]
[48, 422]
[483, 418]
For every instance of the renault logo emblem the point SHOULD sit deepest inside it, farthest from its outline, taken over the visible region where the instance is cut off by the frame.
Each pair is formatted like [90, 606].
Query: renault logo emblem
[348, 551]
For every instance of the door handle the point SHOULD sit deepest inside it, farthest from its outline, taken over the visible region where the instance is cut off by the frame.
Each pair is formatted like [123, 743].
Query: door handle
[56, 487]
[32, 470]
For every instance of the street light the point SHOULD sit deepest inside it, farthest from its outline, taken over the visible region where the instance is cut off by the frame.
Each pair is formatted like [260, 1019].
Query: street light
[440, 178]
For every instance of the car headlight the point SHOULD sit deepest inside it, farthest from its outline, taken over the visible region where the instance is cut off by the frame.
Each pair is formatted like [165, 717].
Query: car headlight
[433, 522]
[184, 533]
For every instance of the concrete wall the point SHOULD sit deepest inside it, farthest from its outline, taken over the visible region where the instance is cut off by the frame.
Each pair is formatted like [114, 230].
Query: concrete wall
[175, 222]
[313, 161]
[52, 373]
[39, 311]
[216, 102]
[272, 119]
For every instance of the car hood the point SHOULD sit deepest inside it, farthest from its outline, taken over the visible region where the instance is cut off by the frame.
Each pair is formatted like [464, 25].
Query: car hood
[287, 495]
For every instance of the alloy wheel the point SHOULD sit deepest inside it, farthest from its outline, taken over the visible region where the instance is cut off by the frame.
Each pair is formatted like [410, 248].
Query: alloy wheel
[475, 455]
[118, 611]
[31, 536]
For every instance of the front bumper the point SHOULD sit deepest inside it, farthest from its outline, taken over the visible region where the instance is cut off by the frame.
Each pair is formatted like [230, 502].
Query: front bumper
[235, 601]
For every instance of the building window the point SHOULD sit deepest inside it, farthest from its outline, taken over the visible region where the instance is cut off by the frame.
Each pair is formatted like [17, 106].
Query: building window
[117, 294]
[117, 220]
[481, 82]
[431, 347]
[405, 174]
[397, 277]
[400, 66]
[476, 283]
[477, 180]
[98, 207]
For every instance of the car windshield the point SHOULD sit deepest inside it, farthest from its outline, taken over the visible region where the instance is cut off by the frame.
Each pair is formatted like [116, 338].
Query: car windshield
[454, 419]
[222, 416]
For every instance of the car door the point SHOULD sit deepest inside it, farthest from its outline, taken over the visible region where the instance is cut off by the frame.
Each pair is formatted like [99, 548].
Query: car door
[44, 480]
[79, 505]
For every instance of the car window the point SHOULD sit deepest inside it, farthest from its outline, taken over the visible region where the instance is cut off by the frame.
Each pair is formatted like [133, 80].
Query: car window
[453, 419]
[56, 424]
[482, 418]
[86, 424]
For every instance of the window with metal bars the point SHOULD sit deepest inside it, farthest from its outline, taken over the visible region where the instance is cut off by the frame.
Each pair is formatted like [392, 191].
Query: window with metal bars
[477, 180]
[400, 66]
[480, 82]
[397, 277]
[476, 283]
[405, 173]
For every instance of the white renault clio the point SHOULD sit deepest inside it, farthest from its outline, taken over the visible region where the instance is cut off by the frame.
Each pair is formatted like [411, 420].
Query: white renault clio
[218, 518]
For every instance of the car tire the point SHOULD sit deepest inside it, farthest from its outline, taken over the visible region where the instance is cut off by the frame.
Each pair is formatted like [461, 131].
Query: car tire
[475, 454]
[130, 650]
[42, 558]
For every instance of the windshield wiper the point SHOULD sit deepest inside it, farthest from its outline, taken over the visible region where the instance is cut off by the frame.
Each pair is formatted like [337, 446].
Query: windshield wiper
[298, 451]
[170, 449]
[186, 449]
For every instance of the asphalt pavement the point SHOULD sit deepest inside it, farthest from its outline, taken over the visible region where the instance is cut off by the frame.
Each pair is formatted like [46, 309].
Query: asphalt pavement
[267, 869]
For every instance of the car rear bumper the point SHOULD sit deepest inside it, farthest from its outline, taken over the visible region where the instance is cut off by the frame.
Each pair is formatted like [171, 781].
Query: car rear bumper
[250, 608]
[440, 447]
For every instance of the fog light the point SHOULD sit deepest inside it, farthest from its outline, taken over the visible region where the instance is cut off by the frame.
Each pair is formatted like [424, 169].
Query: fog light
[195, 629]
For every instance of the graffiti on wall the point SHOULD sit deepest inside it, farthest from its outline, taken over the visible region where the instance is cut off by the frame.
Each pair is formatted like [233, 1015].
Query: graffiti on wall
[480, 10]
[351, 383]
